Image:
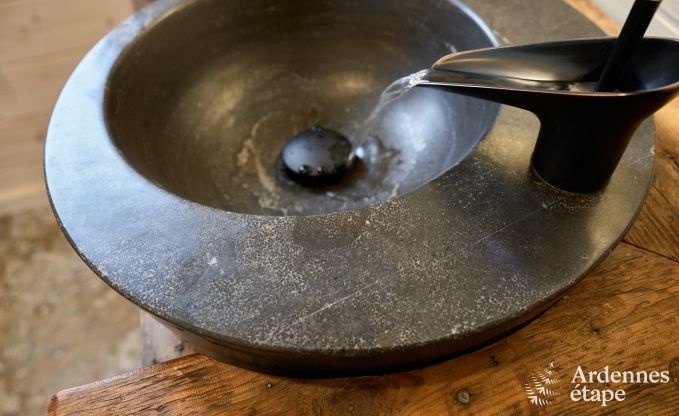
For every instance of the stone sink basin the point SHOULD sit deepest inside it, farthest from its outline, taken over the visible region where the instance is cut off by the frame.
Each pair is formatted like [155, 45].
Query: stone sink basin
[202, 103]
[161, 165]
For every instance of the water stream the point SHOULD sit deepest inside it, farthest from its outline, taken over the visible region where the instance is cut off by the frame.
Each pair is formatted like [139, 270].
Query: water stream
[364, 136]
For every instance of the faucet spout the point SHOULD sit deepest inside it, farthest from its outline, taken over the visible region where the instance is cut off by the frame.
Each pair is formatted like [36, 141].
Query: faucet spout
[583, 133]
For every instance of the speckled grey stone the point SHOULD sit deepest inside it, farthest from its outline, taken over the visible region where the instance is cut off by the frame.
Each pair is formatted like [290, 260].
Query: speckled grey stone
[459, 261]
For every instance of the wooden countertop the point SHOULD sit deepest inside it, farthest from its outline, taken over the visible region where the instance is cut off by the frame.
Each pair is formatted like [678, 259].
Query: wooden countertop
[623, 315]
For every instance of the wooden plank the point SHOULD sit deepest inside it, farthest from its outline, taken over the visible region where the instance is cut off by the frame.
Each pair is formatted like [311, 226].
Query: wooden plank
[24, 196]
[596, 15]
[41, 41]
[21, 149]
[667, 152]
[30, 29]
[35, 86]
[623, 315]
[657, 228]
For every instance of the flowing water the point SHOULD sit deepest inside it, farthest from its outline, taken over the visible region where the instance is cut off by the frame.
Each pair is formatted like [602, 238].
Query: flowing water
[383, 167]
[393, 92]
[378, 161]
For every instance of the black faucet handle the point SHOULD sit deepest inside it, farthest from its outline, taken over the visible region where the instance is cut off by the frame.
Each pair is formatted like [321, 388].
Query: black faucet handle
[628, 41]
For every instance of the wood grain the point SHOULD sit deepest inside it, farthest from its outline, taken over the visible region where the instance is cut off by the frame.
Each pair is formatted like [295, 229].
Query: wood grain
[590, 327]
[41, 41]
[657, 229]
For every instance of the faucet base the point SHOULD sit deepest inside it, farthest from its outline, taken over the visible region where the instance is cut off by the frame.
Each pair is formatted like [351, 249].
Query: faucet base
[579, 153]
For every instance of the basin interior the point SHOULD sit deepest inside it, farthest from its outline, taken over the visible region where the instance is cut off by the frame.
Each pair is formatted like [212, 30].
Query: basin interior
[202, 102]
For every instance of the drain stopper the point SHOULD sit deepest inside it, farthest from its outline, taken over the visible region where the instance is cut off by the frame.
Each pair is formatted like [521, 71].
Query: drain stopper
[317, 157]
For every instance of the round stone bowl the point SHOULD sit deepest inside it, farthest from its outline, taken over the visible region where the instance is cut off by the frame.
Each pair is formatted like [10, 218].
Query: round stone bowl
[161, 166]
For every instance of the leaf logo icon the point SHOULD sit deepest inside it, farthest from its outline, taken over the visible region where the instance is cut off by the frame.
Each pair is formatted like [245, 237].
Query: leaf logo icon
[540, 390]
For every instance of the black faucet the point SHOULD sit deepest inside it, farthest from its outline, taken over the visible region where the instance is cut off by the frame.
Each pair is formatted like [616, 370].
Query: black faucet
[589, 94]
